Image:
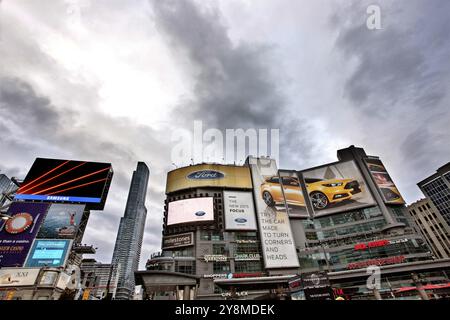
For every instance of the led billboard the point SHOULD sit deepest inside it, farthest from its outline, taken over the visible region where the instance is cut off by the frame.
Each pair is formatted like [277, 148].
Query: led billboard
[337, 187]
[62, 221]
[384, 182]
[274, 226]
[239, 210]
[50, 253]
[66, 181]
[190, 211]
[208, 175]
[18, 232]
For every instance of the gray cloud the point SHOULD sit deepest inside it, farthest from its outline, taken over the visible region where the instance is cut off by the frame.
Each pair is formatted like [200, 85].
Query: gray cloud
[399, 83]
[233, 86]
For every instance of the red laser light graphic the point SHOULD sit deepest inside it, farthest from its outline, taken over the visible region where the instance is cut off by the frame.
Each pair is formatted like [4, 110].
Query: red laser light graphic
[40, 177]
[52, 178]
[70, 181]
[77, 186]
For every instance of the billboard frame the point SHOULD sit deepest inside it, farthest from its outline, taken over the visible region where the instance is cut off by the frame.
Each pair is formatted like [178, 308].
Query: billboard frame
[64, 259]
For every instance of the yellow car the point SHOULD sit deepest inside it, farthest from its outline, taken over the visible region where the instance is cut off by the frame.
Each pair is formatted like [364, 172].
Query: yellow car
[271, 191]
[321, 192]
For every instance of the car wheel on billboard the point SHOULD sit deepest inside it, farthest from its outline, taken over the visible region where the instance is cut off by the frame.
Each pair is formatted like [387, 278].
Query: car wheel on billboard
[319, 200]
[268, 199]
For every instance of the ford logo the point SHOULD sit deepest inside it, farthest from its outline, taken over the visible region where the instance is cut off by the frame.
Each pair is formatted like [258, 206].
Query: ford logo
[200, 213]
[240, 220]
[206, 175]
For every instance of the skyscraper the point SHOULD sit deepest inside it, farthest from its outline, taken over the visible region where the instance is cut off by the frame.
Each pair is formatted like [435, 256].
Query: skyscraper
[437, 188]
[127, 250]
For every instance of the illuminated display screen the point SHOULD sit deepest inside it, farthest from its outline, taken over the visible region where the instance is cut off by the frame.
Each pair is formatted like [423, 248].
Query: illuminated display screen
[50, 253]
[18, 232]
[66, 180]
[191, 210]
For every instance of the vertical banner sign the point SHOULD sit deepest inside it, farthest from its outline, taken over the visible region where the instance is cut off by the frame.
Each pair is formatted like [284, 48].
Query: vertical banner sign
[18, 232]
[276, 235]
[239, 210]
[384, 181]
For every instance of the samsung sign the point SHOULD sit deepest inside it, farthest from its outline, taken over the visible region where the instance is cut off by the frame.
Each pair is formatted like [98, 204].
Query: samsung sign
[239, 210]
[206, 175]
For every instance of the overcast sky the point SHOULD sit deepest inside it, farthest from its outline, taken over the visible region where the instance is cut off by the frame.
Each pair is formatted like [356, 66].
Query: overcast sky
[110, 80]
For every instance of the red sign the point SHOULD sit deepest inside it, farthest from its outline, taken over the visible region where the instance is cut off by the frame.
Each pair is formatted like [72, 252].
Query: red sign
[376, 262]
[373, 244]
[247, 275]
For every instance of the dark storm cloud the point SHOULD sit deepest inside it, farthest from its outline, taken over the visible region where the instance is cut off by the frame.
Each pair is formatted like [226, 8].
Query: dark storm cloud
[233, 85]
[20, 103]
[400, 82]
[401, 64]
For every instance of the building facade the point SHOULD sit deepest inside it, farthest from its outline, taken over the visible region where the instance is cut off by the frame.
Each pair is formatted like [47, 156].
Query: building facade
[432, 226]
[128, 245]
[243, 231]
[98, 279]
[6, 188]
[437, 188]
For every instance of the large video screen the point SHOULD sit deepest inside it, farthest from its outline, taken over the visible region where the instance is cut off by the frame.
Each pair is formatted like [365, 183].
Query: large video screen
[384, 182]
[50, 253]
[62, 221]
[66, 180]
[337, 187]
[18, 232]
[191, 210]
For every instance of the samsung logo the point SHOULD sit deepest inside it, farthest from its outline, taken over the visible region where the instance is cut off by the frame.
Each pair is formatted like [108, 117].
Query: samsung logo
[200, 213]
[206, 175]
[240, 220]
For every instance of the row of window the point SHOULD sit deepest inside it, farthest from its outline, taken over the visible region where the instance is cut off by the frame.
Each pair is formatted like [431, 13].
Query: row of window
[342, 218]
[321, 258]
[221, 236]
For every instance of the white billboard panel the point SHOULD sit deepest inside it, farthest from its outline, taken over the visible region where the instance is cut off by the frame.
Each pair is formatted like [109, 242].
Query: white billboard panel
[18, 277]
[275, 229]
[191, 210]
[239, 210]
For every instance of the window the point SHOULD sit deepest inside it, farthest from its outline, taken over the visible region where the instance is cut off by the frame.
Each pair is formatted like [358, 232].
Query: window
[247, 266]
[221, 267]
[220, 249]
[187, 267]
[211, 236]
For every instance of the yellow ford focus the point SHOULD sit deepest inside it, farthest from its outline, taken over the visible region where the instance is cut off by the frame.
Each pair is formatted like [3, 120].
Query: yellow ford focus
[322, 192]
